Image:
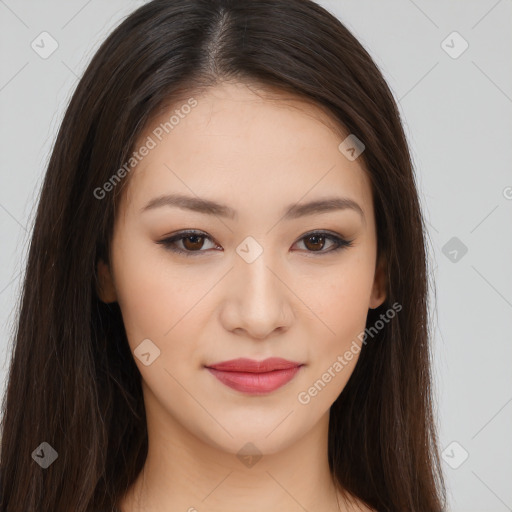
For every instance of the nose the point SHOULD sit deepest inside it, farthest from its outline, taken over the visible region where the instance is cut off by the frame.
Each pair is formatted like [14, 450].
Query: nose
[257, 299]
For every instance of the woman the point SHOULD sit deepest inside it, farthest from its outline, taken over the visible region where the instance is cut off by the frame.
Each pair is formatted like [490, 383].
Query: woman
[225, 302]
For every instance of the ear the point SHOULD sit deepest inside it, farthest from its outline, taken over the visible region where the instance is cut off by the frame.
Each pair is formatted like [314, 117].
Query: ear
[378, 295]
[106, 290]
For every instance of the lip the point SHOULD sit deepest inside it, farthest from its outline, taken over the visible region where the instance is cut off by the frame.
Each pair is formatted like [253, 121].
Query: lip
[255, 377]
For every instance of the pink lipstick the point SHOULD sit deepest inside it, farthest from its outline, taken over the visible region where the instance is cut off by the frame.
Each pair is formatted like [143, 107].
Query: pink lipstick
[255, 377]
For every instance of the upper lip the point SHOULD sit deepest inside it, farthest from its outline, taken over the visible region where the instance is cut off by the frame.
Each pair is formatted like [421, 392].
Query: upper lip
[250, 365]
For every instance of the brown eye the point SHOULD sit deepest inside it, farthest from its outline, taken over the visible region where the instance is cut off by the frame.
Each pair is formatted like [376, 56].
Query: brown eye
[193, 242]
[314, 242]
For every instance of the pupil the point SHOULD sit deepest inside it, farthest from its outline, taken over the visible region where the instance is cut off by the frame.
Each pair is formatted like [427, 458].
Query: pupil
[194, 239]
[315, 239]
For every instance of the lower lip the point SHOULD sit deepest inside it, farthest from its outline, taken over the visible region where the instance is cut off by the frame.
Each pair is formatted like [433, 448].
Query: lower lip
[255, 383]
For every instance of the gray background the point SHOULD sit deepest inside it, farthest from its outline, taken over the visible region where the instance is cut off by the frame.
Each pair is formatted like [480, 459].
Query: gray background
[457, 115]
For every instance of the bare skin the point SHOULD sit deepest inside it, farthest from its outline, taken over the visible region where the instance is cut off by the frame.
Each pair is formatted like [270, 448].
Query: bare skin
[298, 300]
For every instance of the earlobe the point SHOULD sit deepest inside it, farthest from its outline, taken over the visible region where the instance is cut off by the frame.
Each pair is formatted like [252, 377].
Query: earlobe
[105, 289]
[378, 295]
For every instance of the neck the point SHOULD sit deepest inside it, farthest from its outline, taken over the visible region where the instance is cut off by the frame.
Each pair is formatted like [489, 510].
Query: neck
[184, 472]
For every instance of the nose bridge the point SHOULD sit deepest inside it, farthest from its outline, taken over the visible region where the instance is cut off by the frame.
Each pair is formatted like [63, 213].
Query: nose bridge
[258, 282]
[258, 299]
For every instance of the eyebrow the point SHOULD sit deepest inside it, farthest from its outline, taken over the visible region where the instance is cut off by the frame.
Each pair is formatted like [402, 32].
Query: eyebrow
[293, 211]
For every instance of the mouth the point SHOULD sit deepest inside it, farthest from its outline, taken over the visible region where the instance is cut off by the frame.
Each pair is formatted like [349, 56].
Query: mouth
[255, 377]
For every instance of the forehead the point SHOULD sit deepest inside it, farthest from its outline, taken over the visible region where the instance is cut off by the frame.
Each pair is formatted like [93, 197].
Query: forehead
[237, 144]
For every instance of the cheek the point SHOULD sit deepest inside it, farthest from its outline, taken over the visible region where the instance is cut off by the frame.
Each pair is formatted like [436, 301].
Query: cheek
[153, 299]
[164, 303]
[341, 301]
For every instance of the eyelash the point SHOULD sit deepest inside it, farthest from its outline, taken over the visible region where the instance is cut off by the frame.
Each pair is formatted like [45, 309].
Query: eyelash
[168, 243]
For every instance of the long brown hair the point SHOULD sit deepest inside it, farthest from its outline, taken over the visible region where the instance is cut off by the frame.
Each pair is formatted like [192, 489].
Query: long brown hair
[73, 382]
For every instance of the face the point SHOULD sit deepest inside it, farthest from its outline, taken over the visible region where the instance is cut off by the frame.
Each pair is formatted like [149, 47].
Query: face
[262, 275]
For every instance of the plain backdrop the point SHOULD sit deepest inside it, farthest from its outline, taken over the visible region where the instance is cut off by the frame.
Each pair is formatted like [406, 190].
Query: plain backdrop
[449, 65]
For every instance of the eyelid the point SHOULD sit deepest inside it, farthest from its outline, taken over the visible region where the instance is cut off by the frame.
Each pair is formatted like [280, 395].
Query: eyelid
[340, 241]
